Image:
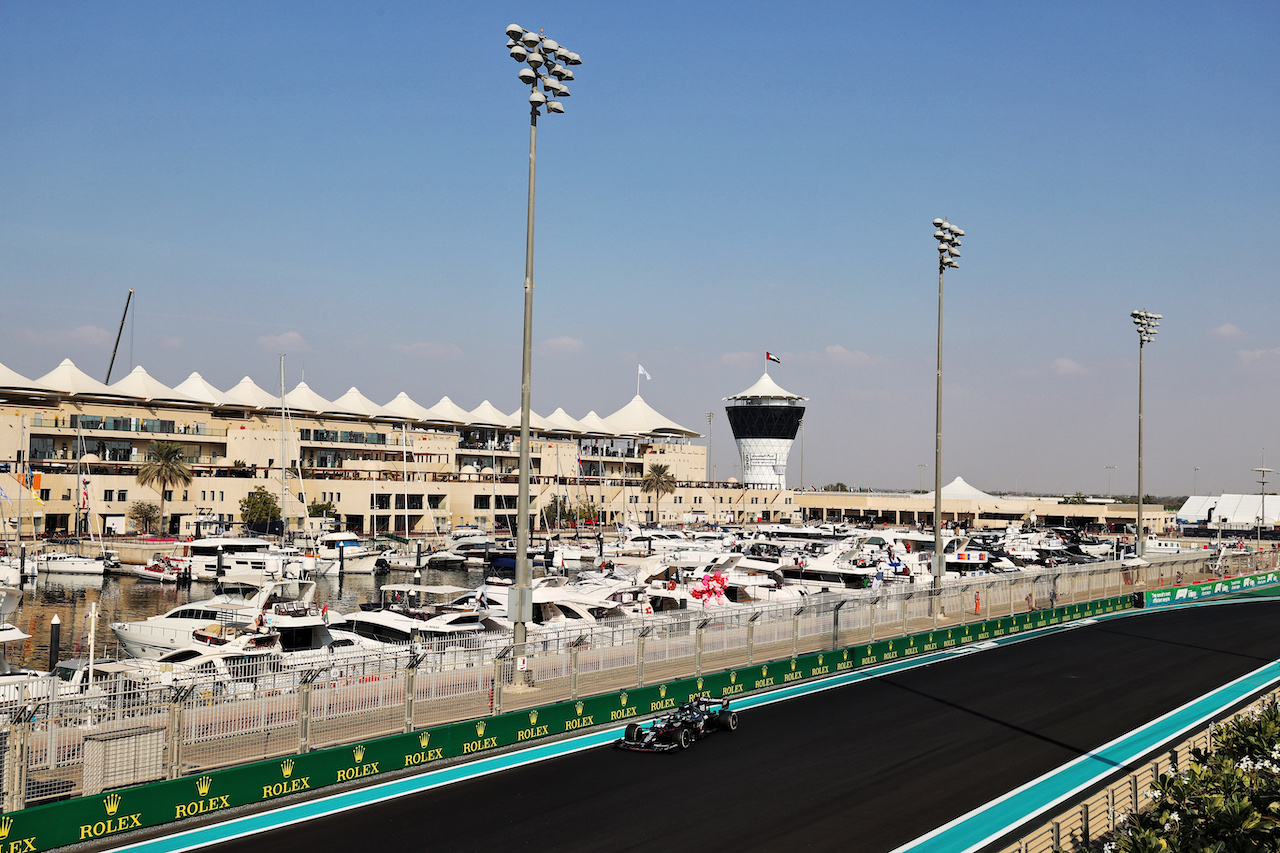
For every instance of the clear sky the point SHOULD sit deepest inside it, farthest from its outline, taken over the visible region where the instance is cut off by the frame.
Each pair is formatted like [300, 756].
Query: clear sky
[345, 183]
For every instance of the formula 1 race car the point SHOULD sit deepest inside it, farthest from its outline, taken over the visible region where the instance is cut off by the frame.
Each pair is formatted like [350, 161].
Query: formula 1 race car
[680, 728]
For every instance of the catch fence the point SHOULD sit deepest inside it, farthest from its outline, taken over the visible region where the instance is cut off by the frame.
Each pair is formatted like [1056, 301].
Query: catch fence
[129, 729]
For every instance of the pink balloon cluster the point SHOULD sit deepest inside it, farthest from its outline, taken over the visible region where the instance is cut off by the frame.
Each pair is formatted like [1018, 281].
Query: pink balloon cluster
[710, 587]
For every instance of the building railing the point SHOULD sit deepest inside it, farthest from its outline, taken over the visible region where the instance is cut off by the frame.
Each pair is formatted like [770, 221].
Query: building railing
[109, 423]
[342, 697]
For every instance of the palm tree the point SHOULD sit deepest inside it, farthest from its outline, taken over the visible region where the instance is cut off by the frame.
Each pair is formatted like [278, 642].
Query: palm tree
[164, 469]
[658, 479]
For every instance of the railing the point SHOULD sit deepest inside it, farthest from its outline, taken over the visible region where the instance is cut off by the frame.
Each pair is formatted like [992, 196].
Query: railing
[330, 698]
[108, 423]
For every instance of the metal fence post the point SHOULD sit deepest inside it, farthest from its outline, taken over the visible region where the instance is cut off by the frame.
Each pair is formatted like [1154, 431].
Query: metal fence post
[751, 638]
[304, 717]
[573, 672]
[906, 599]
[697, 648]
[175, 738]
[15, 767]
[499, 673]
[835, 625]
[1084, 823]
[795, 634]
[871, 607]
[410, 694]
[640, 661]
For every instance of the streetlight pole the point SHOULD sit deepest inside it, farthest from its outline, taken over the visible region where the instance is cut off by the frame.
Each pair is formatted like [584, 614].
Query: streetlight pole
[1109, 468]
[710, 438]
[1262, 510]
[921, 466]
[1146, 323]
[1195, 479]
[536, 52]
[948, 237]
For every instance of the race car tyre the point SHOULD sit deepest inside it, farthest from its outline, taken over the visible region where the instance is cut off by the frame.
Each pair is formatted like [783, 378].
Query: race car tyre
[632, 732]
[684, 738]
[728, 720]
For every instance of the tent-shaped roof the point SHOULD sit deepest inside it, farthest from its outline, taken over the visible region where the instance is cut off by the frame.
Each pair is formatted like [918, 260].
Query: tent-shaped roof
[959, 490]
[250, 396]
[69, 379]
[766, 389]
[144, 386]
[404, 408]
[447, 412]
[639, 418]
[487, 414]
[196, 388]
[537, 423]
[10, 379]
[355, 403]
[594, 424]
[303, 399]
[560, 421]
[1237, 510]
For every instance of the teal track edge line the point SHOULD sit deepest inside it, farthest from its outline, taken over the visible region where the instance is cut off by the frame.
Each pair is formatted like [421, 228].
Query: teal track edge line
[987, 823]
[239, 827]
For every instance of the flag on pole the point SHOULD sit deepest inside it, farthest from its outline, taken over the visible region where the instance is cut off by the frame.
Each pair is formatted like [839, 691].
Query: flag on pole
[3, 496]
[644, 372]
[768, 356]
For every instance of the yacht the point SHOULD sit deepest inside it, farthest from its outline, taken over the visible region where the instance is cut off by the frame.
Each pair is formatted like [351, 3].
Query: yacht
[284, 606]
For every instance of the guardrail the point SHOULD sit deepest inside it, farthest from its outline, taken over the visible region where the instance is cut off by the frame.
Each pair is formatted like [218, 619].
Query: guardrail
[134, 730]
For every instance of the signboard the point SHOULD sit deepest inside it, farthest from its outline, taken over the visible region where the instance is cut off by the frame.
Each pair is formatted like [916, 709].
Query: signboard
[1210, 589]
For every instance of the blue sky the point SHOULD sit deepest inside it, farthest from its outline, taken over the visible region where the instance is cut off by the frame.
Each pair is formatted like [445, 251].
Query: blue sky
[345, 183]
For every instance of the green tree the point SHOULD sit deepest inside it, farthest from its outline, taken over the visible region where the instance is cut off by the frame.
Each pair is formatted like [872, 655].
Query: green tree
[144, 514]
[658, 479]
[318, 509]
[1077, 498]
[165, 468]
[259, 506]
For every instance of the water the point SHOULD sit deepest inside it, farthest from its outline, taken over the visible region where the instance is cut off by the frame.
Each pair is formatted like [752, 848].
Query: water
[125, 598]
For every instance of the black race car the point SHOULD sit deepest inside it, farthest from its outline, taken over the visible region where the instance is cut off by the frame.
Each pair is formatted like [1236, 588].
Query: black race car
[680, 728]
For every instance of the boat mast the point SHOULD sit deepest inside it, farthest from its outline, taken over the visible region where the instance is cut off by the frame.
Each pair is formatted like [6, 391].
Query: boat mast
[22, 475]
[283, 411]
[404, 469]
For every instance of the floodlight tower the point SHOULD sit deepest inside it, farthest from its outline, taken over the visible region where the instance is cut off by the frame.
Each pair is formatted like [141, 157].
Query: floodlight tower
[948, 237]
[546, 61]
[1146, 323]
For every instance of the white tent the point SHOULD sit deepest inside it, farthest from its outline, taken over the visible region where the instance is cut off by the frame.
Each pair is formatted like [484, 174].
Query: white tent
[1232, 511]
[766, 389]
[10, 379]
[146, 387]
[560, 421]
[487, 414]
[196, 388]
[355, 403]
[404, 408]
[594, 424]
[959, 490]
[69, 379]
[447, 412]
[303, 399]
[639, 418]
[248, 395]
[537, 423]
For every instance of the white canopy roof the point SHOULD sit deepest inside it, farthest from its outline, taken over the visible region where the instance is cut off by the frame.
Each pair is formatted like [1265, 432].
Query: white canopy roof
[196, 388]
[404, 407]
[639, 418]
[69, 379]
[250, 396]
[303, 399]
[447, 412]
[1238, 510]
[10, 379]
[560, 421]
[144, 386]
[766, 388]
[959, 490]
[487, 414]
[594, 424]
[537, 423]
[355, 403]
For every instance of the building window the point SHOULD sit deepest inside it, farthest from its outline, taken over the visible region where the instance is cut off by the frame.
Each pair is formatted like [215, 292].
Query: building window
[202, 495]
[222, 496]
[415, 501]
[109, 495]
[44, 494]
[481, 502]
[122, 495]
[168, 494]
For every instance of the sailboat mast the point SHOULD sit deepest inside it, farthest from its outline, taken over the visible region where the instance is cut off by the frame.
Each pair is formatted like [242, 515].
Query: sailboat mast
[22, 475]
[404, 436]
[283, 410]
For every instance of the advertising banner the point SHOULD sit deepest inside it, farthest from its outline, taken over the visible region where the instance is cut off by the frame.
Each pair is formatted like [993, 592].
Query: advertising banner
[1210, 589]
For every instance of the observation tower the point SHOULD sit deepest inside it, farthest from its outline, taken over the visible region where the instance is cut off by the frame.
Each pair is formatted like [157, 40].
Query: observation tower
[764, 419]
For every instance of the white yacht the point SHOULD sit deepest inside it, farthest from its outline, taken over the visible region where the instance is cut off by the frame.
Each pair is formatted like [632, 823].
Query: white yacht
[62, 563]
[348, 554]
[285, 606]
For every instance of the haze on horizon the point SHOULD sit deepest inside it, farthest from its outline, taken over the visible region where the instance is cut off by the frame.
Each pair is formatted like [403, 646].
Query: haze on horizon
[346, 184]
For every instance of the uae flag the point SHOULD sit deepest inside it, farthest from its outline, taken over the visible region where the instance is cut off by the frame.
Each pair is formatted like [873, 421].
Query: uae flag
[771, 357]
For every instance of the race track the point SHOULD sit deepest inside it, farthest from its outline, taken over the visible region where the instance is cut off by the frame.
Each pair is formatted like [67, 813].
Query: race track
[864, 767]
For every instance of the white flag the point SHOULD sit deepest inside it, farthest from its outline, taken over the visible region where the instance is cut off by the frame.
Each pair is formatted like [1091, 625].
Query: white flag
[644, 372]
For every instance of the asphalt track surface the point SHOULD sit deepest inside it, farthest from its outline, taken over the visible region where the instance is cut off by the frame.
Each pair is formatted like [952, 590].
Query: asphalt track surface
[865, 767]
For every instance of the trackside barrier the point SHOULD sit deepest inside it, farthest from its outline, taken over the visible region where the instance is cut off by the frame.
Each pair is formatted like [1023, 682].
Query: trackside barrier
[1084, 823]
[98, 817]
[1211, 589]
